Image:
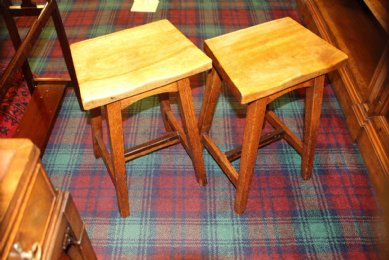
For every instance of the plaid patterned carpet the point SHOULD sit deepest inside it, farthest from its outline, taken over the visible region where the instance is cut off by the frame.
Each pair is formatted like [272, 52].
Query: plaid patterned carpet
[332, 216]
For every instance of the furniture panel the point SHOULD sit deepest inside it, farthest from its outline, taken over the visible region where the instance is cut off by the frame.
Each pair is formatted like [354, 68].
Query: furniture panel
[362, 86]
[33, 225]
[360, 28]
[36, 220]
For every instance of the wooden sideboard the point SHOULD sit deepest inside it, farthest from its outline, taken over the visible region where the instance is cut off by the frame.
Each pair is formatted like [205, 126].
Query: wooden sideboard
[37, 221]
[360, 28]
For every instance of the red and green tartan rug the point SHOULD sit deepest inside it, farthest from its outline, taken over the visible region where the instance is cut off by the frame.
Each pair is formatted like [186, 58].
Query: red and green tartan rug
[332, 216]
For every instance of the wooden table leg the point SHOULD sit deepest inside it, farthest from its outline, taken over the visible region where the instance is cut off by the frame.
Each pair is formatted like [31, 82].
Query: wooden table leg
[115, 132]
[251, 136]
[211, 96]
[165, 106]
[97, 129]
[190, 127]
[313, 102]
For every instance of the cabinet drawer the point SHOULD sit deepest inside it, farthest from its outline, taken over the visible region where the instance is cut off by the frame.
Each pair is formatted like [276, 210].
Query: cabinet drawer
[35, 212]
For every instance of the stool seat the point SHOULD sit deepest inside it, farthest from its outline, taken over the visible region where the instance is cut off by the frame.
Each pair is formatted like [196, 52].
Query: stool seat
[132, 61]
[271, 57]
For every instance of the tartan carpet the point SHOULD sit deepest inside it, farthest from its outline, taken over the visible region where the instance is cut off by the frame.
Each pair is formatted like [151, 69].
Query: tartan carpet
[332, 216]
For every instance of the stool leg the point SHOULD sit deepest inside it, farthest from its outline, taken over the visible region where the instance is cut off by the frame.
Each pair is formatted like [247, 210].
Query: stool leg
[251, 136]
[188, 118]
[97, 129]
[164, 104]
[115, 132]
[211, 96]
[313, 101]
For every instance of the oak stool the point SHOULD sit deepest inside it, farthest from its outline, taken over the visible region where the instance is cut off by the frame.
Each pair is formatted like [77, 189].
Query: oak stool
[258, 65]
[116, 70]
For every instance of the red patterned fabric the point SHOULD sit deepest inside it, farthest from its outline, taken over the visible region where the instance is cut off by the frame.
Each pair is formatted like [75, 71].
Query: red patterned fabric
[13, 104]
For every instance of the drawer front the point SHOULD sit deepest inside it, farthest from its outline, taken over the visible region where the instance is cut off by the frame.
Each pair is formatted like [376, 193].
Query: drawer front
[35, 213]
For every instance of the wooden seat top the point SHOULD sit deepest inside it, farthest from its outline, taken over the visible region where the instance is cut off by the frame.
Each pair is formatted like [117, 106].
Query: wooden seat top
[132, 61]
[267, 58]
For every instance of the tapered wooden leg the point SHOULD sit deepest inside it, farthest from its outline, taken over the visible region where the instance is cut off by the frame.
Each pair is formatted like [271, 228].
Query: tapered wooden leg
[313, 101]
[97, 129]
[211, 96]
[190, 127]
[115, 132]
[63, 40]
[164, 104]
[251, 136]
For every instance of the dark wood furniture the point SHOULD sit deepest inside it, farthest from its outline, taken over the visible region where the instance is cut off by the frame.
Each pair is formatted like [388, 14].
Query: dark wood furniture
[114, 73]
[46, 93]
[260, 64]
[36, 220]
[360, 29]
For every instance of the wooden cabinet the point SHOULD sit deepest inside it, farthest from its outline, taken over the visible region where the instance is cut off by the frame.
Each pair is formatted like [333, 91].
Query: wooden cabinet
[37, 221]
[359, 28]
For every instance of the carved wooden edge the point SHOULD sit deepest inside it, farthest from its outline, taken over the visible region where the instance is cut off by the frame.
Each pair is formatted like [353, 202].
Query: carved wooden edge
[23, 161]
[380, 9]
[379, 96]
[67, 232]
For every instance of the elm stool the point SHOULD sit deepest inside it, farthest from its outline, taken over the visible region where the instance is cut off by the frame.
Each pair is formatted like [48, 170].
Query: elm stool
[116, 70]
[258, 65]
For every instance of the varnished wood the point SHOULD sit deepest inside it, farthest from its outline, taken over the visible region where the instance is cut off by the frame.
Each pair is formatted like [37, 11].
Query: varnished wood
[64, 43]
[162, 142]
[115, 133]
[378, 162]
[47, 94]
[379, 85]
[17, 10]
[347, 24]
[251, 136]
[211, 96]
[96, 122]
[114, 72]
[266, 139]
[380, 9]
[165, 106]
[23, 47]
[257, 45]
[344, 22]
[16, 41]
[175, 125]
[15, 183]
[163, 90]
[139, 65]
[84, 249]
[260, 64]
[41, 113]
[289, 136]
[362, 85]
[220, 158]
[189, 122]
[105, 155]
[32, 211]
[313, 101]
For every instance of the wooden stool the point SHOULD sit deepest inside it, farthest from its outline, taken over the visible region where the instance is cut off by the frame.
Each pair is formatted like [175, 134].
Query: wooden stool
[118, 69]
[259, 64]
